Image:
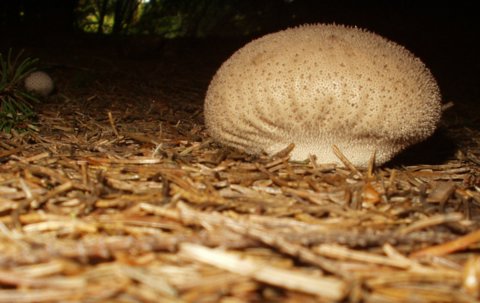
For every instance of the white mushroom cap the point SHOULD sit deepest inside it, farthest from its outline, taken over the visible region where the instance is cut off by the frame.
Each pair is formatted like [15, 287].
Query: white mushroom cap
[320, 85]
[39, 83]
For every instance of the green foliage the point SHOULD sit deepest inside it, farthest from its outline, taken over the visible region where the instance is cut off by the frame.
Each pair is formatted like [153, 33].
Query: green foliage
[180, 18]
[16, 109]
[108, 16]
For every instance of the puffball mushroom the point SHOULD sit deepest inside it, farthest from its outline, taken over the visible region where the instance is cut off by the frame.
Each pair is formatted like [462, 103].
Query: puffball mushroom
[322, 85]
[39, 83]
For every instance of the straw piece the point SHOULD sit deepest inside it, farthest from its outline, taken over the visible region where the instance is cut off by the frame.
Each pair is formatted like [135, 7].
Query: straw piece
[325, 287]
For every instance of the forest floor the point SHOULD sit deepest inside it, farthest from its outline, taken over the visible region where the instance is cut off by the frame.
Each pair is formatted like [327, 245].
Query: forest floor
[121, 196]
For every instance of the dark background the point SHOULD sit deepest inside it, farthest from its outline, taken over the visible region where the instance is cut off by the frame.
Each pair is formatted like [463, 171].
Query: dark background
[443, 34]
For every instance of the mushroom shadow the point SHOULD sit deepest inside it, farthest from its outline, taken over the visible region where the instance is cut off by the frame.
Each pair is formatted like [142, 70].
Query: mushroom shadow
[435, 150]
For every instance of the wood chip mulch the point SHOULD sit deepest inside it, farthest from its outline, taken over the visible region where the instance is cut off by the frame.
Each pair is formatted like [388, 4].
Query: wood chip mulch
[139, 205]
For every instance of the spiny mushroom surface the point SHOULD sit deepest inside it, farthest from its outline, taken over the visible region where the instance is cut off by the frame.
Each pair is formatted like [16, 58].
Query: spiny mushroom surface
[40, 83]
[322, 85]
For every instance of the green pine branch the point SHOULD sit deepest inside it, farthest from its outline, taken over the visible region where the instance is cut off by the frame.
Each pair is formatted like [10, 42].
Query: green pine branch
[16, 110]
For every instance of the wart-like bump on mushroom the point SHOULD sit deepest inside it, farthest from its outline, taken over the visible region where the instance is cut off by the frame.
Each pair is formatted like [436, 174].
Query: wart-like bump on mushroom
[322, 85]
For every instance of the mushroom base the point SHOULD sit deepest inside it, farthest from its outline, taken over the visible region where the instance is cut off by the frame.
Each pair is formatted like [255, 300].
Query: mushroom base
[358, 153]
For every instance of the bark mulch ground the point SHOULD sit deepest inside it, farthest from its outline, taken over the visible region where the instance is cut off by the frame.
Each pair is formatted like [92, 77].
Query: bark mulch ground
[121, 196]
